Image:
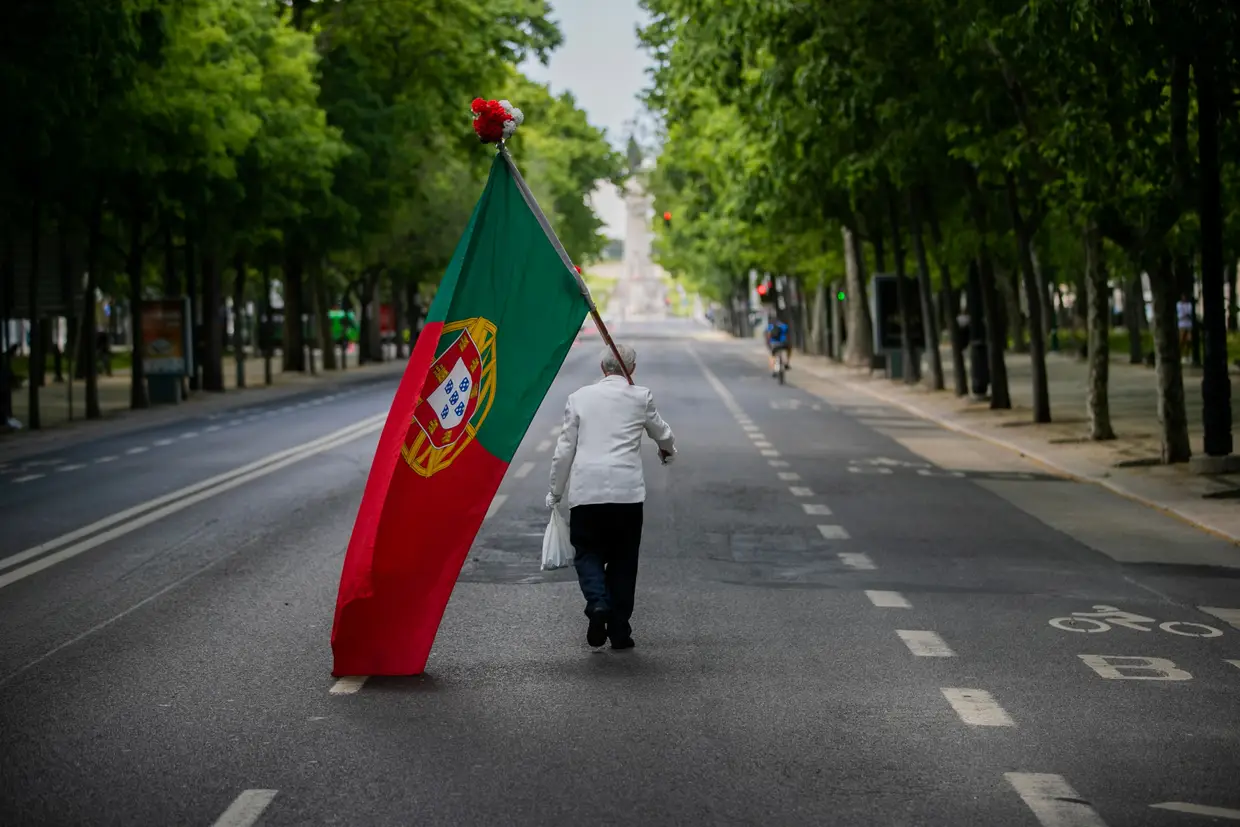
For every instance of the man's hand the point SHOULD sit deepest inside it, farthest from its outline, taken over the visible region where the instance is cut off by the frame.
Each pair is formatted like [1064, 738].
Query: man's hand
[552, 500]
[666, 457]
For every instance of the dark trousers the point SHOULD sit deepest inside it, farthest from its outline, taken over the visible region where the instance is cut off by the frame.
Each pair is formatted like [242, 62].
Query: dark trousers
[606, 539]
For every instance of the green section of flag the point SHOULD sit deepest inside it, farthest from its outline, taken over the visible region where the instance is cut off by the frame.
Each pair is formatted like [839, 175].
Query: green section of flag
[507, 271]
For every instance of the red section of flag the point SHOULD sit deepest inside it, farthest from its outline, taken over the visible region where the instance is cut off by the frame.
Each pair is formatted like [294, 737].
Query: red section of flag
[410, 538]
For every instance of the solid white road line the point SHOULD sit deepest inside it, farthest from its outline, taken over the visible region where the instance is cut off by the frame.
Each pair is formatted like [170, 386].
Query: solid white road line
[856, 560]
[29, 477]
[1053, 801]
[196, 494]
[888, 600]
[495, 505]
[1198, 810]
[348, 684]
[1230, 616]
[789, 476]
[729, 401]
[801, 491]
[833, 532]
[543, 446]
[524, 470]
[925, 644]
[976, 707]
[816, 509]
[246, 809]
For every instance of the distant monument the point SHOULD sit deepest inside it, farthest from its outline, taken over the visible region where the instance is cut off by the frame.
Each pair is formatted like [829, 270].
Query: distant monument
[641, 291]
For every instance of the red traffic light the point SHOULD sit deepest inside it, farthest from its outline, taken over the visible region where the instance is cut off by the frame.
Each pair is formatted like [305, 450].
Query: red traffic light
[667, 216]
[762, 288]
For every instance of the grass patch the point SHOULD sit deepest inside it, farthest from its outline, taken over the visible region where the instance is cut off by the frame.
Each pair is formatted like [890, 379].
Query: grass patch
[121, 360]
[601, 288]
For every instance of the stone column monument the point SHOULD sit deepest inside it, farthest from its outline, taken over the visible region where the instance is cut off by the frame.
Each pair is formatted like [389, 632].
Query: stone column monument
[641, 292]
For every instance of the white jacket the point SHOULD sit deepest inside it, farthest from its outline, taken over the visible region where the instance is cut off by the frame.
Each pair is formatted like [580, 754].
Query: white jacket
[598, 456]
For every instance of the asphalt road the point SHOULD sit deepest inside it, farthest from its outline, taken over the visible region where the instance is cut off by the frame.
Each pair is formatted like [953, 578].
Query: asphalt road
[844, 617]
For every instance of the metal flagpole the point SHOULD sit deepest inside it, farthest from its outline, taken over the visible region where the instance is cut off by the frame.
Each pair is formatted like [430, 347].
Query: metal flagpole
[532, 203]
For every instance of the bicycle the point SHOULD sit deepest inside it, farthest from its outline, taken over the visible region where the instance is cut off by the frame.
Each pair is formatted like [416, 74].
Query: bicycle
[781, 364]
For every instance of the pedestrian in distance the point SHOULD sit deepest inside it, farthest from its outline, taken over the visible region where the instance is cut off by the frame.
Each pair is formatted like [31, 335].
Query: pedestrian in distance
[597, 470]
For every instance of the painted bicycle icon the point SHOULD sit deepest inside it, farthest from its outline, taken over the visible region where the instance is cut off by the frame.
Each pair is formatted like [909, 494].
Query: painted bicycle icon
[1102, 618]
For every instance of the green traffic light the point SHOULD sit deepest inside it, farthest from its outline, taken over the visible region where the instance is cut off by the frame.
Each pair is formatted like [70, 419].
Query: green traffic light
[840, 295]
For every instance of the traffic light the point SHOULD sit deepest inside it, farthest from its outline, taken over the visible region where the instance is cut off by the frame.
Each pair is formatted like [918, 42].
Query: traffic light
[763, 288]
[667, 220]
[840, 296]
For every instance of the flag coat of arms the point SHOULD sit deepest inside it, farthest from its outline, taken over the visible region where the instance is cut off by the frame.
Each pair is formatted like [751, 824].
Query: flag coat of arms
[504, 319]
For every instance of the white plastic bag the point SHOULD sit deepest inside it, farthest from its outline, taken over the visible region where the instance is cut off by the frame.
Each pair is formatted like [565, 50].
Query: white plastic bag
[557, 550]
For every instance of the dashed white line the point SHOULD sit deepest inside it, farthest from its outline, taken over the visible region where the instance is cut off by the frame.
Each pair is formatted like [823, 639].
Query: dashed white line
[544, 445]
[109, 458]
[524, 471]
[857, 560]
[800, 491]
[234, 422]
[778, 463]
[29, 477]
[495, 505]
[762, 443]
[160, 443]
[189, 435]
[925, 644]
[348, 684]
[816, 509]
[789, 476]
[212, 428]
[833, 532]
[977, 707]
[1053, 801]
[769, 452]
[246, 809]
[750, 428]
[70, 467]
[137, 450]
[888, 600]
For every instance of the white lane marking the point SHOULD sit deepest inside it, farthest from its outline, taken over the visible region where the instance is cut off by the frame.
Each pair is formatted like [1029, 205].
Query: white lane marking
[348, 684]
[176, 501]
[789, 476]
[543, 446]
[856, 469]
[160, 443]
[29, 477]
[769, 452]
[925, 644]
[1230, 616]
[753, 429]
[833, 532]
[495, 505]
[212, 428]
[762, 443]
[801, 491]
[246, 809]
[1135, 668]
[977, 707]
[1235, 663]
[888, 600]
[816, 509]
[189, 435]
[1198, 810]
[109, 458]
[234, 422]
[138, 450]
[524, 470]
[1053, 801]
[778, 463]
[70, 467]
[729, 401]
[857, 560]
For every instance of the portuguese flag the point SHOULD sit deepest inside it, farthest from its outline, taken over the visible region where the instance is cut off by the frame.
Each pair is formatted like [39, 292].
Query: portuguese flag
[506, 314]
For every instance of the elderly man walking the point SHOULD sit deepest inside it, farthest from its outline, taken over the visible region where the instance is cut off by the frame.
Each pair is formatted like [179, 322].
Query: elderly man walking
[598, 464]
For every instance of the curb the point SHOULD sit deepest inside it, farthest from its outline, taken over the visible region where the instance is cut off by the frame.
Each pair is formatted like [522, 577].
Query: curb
[124, 421]
[1109, 485]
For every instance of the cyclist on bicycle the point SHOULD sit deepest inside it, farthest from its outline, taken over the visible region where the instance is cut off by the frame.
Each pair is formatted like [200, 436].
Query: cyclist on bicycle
[777, 340]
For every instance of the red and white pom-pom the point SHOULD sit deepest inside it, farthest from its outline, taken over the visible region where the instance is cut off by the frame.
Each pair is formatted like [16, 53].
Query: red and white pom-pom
[495, 121]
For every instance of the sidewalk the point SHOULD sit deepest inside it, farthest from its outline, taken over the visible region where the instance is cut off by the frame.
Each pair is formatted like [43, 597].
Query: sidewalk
[1126, 465]
[58, 431]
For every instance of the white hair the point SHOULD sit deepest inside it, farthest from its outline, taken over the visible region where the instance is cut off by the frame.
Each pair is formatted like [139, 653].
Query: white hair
[611, 365]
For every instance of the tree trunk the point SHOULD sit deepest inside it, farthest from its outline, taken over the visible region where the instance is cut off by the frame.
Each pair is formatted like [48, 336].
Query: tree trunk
[837, 322]
[929, 318]
[195, 308]
[1044, 294]
[138, 397]
[35, 378]
[1134, 309]
[1172, 414]
[212, 322]
[1233, 305]
[1097, 402]
[238, 315]
[1215, 384]
[859, 346]
[1014, 317]
[8, 300]
[266, 311]
[820, 330]
[322, 318]
[1037, 332]
[398, 313]
[912, 365]
[172, 283]
[951, 304]
[373, 340]
[294, 332]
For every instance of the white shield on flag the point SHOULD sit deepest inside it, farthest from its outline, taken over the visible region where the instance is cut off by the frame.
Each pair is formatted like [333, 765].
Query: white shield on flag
[450, 400]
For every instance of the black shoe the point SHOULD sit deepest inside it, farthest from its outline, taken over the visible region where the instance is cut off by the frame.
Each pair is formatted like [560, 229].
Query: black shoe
[596, 635]
[619, 645]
